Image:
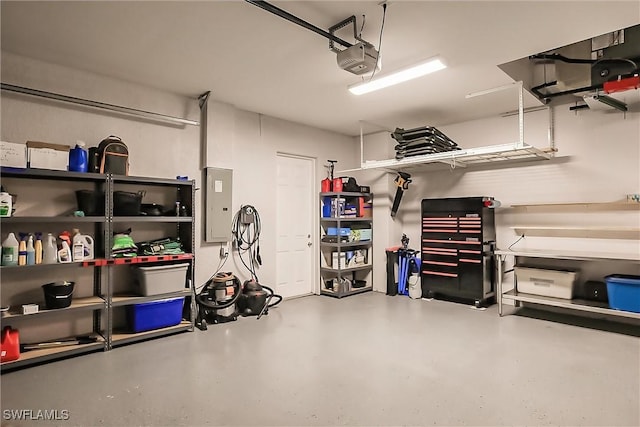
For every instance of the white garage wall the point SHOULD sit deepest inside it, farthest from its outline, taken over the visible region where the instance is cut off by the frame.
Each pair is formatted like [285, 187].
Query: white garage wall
[597, 161]
[243, 141]
[249, 143]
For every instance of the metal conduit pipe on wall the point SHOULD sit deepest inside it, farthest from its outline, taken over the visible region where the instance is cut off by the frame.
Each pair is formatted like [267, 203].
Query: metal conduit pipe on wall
[99, 105]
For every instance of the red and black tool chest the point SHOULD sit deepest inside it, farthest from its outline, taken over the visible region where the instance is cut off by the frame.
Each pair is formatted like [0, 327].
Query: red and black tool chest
[458, 239]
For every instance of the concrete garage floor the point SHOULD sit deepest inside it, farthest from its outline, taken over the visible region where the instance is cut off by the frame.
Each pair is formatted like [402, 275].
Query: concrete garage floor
[363, 360]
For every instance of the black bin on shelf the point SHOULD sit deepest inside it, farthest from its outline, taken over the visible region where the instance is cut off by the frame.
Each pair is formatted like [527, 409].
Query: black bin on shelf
[91, 202]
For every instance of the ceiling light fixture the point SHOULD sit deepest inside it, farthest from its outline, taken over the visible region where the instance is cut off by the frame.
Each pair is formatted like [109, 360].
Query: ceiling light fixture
[413, 72]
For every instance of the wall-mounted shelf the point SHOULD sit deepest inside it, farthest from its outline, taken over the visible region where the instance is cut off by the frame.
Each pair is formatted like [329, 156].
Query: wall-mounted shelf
[574, 255]
[620, 205]
[579, 232]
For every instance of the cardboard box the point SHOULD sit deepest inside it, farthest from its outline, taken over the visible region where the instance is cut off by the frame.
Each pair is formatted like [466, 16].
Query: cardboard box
[13, 155]
[44, 155]
[360, 234]
[339, 260]
[357, 258]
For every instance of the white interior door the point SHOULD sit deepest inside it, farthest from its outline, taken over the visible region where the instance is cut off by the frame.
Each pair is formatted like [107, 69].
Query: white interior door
[295, 199]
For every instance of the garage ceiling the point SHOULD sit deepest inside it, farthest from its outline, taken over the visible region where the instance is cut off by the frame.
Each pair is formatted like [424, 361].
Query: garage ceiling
[259, 62]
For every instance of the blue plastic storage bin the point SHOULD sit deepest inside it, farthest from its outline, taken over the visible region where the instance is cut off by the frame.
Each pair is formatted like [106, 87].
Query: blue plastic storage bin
[155, 314]
[624, 292]
[333, 231]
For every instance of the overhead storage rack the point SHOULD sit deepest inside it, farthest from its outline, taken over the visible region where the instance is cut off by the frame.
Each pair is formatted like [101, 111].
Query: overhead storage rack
[463, 158]
[492, 154]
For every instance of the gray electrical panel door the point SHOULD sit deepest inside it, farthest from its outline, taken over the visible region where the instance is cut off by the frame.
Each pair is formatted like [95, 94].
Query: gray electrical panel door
[217, 221]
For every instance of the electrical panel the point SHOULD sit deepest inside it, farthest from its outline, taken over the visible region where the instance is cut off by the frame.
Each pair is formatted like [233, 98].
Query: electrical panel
[218, 214]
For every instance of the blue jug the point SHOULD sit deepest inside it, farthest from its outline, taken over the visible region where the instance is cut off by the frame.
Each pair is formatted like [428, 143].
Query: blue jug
[78, 158]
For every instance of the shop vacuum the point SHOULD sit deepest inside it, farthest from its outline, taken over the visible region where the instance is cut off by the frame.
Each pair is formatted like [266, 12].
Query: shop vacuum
[217, 300]
[255, 299]
[223, 299]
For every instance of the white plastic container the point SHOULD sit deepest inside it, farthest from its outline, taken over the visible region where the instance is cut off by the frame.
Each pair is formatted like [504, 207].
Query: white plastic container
[64, 254]
[10, 250]
[82, 246]
[50, 250]
[160, 279]
[6, 205]
[548, 283]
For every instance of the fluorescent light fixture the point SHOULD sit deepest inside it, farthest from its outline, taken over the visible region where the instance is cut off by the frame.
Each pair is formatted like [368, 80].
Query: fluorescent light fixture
[427, 67]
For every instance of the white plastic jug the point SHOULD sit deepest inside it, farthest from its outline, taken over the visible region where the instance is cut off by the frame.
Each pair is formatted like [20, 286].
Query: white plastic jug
[10, 250]
[50, 250]
[5, 204]
[82, 247]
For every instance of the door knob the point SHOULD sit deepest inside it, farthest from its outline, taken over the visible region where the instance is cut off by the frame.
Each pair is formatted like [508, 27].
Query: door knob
[309, 244]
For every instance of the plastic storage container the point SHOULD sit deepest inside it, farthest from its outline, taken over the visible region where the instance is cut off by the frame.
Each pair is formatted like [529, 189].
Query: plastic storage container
[624, 292]
[548, 283]
[161, 279]
[155, 314]
[78, 158]
[91, 202]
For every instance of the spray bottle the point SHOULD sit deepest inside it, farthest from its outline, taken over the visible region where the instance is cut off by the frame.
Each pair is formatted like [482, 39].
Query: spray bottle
[22, 249]
[38, 248]
[64, 252]
[31, 251]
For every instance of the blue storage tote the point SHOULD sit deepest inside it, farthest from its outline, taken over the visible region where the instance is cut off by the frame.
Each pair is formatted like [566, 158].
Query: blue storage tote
[624, 292]
[155, 314]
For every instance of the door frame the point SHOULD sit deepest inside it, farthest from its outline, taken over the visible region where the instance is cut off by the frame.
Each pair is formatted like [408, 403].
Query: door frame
[315, 222]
